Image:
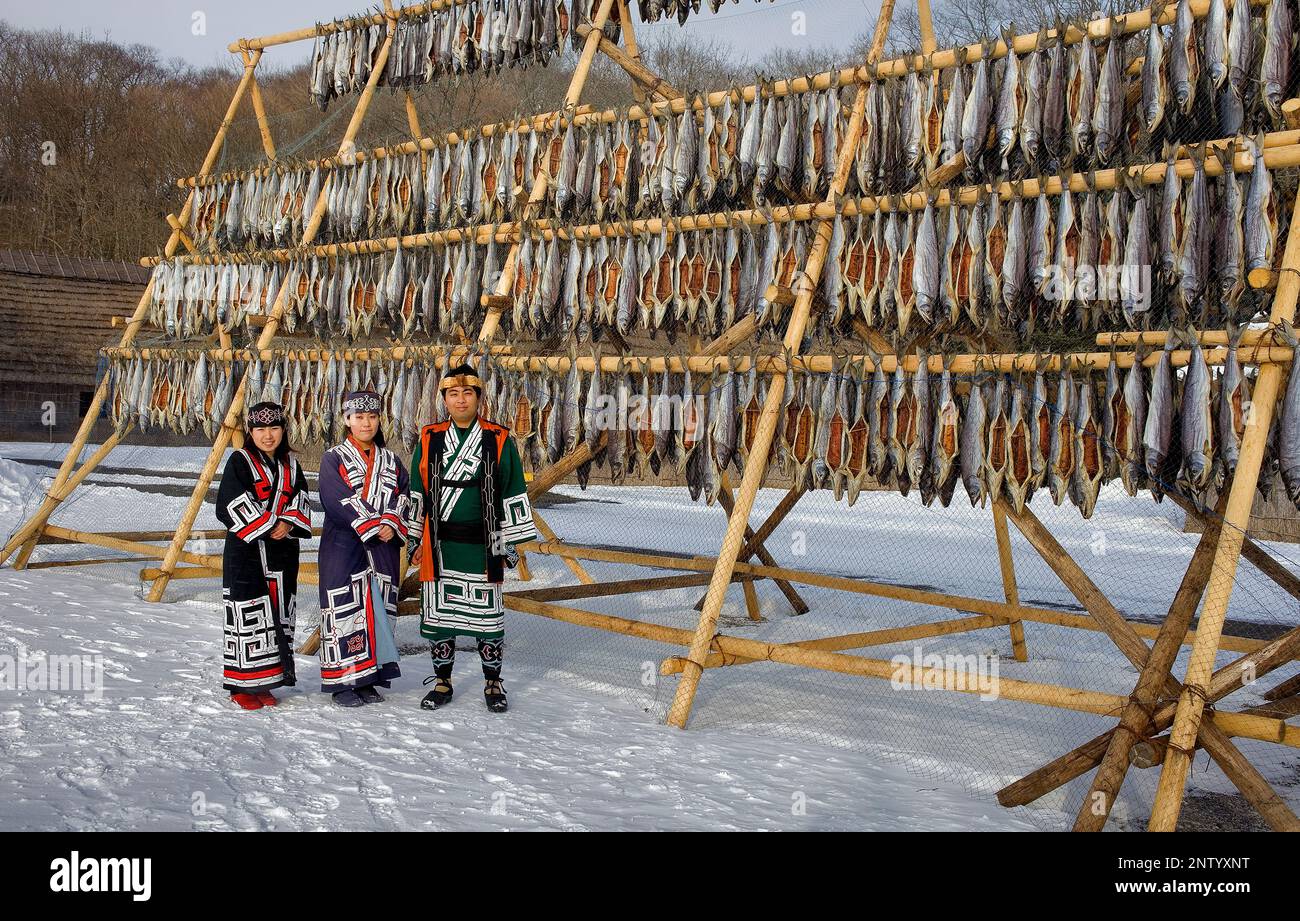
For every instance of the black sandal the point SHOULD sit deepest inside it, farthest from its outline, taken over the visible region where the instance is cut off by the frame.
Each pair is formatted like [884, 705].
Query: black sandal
[495, 695]
[440, 695]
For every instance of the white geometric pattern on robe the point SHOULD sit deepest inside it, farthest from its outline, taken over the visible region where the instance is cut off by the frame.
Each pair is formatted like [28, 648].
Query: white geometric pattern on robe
[383, 484]
[344, 615]
[462, 601]
[460, 460]
[518, 525]
[250, 635]
[244, 509]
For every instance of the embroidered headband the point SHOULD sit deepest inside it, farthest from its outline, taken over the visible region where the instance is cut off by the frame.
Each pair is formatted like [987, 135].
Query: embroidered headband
[265, 414]
[361, 401]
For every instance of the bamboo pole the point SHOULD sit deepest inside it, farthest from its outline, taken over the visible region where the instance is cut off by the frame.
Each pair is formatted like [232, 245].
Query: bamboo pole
[926, 21]
[1101, 797]
[34, 524]
[619, 587]
[259, 110]
[130, 546]
[1281, 150]
[759, 452]
[557, 471]
[175, 224]
[673, 666]
[63, 564]
[628, 31]
[1077, 581]
[1009, 587]
[233, 414]
[1191, 703]
[574, 566]
[344, 25]
[728, 507]
[754, 547]
[590, 43]
[756, 464]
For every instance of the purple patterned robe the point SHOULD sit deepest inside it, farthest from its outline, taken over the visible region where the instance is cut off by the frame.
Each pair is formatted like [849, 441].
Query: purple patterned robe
[357, 502]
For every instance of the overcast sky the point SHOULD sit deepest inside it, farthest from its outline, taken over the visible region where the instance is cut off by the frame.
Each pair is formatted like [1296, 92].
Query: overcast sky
[169, 25]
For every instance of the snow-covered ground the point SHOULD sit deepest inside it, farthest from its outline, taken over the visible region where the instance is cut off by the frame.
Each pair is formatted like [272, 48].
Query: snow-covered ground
[584, 746]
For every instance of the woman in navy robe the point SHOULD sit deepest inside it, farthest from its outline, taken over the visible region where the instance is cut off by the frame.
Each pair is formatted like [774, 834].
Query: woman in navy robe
[363, 491]
[263, 503]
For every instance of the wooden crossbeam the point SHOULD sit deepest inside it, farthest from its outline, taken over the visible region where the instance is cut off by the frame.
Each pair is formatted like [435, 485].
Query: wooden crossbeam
[674, 665]
[754, 543]
[1136, 651]
[1256, 664]
[642, 76]
[1133, 720]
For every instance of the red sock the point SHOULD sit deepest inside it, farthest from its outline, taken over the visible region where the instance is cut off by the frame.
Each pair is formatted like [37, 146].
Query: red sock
[247, 701]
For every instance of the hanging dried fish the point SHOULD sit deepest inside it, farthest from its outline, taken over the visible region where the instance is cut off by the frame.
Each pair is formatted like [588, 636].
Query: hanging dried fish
[1089, 468]
[1184, 62]
[1275, 68]
[973, 444]
[1234, 398]
[1157, 437]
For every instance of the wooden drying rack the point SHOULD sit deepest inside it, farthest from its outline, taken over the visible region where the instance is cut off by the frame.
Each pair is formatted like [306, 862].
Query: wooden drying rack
[1149, 729]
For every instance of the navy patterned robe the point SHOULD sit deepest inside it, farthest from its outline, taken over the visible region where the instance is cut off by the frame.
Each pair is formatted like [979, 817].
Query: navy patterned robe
[357, 502]
[259, 575]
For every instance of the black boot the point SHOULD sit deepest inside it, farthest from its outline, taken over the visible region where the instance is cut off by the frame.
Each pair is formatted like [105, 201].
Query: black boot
[440, 695]
[370, 694]
[495, 695]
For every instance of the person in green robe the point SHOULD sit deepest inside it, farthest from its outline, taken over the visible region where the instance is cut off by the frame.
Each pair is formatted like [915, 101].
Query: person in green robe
[469, 508]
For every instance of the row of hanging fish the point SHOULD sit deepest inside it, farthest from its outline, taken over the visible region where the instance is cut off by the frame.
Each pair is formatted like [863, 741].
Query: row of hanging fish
[1074, 261]
[1062, 107]
[189, 393]
[1138, 256]
[426, 292]
[737, 154]
[687, 282]
[655, 10]
[453, 40]
[1006, 437]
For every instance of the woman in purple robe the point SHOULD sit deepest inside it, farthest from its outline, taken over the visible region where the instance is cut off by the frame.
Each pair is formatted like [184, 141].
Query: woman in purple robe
[363, 490]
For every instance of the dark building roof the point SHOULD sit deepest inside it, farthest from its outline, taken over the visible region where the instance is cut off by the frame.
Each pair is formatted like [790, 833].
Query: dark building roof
[55, 314]
[55, 266]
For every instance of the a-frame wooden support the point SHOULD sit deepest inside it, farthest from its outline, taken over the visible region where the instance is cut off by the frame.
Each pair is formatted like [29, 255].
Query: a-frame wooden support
[65, 481]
